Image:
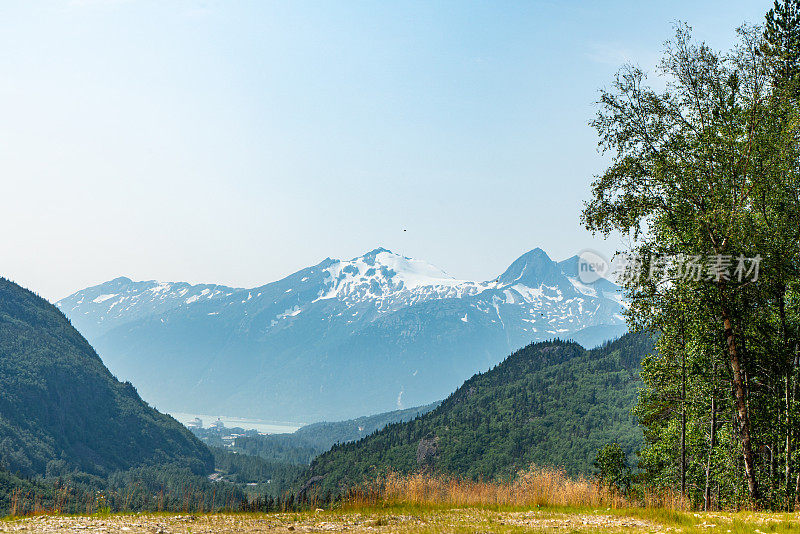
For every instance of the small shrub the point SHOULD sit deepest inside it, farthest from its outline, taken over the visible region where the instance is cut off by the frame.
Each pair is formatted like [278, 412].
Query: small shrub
[614, 471]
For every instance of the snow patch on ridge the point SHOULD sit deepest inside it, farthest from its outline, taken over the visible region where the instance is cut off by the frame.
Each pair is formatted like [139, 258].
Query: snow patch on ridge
[392, 279]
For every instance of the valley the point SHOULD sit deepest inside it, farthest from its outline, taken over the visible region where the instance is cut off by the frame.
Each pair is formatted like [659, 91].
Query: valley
[378, 332]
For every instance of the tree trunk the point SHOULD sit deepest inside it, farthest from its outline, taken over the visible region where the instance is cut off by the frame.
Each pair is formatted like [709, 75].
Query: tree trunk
[797, 491]
[788, 467]
[794, 392]
[683, 423]
[740, 398]
[707, 493]
[791, 357]
[772, 464]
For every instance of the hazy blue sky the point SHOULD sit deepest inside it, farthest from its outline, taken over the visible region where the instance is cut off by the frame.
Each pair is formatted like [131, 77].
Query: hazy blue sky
[236, 142]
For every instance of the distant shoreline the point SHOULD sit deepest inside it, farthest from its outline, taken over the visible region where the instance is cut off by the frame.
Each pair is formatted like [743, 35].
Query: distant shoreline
[260, 425]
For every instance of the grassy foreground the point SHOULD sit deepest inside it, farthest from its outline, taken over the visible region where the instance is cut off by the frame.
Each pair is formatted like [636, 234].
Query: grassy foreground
[538, 500]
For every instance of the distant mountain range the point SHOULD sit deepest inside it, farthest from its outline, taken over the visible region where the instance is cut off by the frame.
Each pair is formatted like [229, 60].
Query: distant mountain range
[336, 340]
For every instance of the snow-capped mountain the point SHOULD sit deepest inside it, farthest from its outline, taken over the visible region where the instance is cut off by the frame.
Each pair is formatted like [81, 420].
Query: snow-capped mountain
[339, 339]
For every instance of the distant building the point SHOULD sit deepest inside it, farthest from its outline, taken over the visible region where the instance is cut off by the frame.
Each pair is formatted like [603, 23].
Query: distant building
[218, 424]
[197, 423]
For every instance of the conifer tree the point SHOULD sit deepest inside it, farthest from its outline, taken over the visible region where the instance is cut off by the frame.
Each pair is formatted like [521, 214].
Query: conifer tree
[782, 39]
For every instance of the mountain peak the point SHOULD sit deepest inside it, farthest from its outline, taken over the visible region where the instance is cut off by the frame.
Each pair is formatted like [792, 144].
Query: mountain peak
[116, 284]
[374, 252]
[410, 271]
[537, 254]
[532, 268]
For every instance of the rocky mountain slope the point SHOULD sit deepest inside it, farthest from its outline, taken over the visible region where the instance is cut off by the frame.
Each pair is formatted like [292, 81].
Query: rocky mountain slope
[336, 340]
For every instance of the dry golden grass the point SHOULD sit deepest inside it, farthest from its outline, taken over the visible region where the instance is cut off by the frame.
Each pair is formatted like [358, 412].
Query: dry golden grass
[534, 487]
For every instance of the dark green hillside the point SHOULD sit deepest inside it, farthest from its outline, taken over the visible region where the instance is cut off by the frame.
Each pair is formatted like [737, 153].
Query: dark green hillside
[61, 410]
[258, 476]
[551, 403]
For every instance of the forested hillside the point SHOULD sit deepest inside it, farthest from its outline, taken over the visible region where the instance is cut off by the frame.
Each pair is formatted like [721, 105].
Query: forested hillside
[551, 403]
[61, 410]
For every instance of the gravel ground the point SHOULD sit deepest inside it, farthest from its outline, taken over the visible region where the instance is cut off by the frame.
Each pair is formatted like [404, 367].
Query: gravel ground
[457, 520]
